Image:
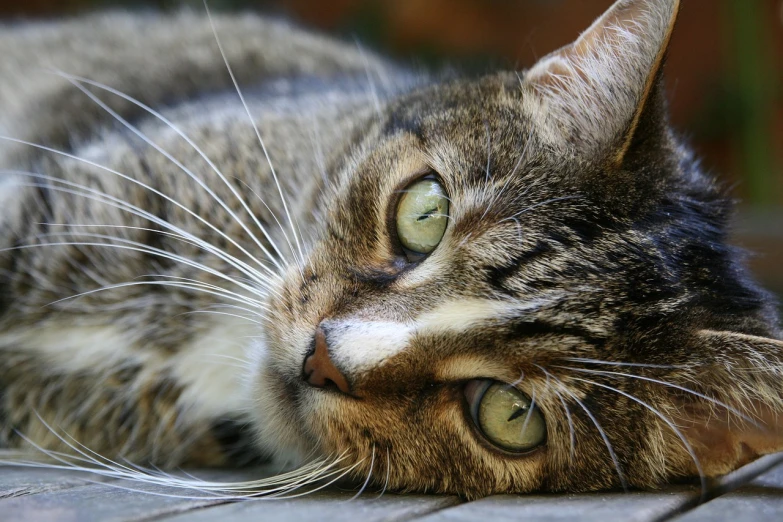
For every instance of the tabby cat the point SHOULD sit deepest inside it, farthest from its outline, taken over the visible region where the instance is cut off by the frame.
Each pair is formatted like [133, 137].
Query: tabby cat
[226, 238]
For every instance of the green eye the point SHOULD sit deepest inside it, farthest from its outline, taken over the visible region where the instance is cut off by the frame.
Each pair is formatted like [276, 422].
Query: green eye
[422, 216]
[505, 416]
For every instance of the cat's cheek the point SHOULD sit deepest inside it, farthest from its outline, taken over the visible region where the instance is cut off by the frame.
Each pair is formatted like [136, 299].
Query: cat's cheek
[424, 448]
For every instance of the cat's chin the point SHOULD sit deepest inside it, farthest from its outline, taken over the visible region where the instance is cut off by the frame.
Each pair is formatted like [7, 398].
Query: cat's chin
[280, 418]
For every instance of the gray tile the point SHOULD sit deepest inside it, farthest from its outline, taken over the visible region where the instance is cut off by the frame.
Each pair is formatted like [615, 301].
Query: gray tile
[332, 505]
[760, 500]
[98, 502]
[603, 507]
[24, 481]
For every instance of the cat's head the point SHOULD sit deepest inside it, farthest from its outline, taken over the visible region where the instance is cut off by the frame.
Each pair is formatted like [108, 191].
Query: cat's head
[523, 284]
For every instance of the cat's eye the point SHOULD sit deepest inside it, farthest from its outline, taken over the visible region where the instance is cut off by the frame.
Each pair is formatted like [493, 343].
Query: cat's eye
[422, 216]
[506, 417]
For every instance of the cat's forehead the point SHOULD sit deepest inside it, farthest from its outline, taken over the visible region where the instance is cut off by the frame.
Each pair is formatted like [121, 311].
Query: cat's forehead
[463, 111]
[476, 137]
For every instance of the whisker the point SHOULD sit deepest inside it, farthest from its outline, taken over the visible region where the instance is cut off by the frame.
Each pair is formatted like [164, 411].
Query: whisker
[733, 410]
[530, 409]
[434, 214]
[84, 452]
[285, 483]
[279, 493]
[241, 362]
[260, 140]
[619, 363]
[367, 480]
[261, 200]
[168, 234]
[158, 283]
[236, 307]
[572, 433]
[213, 312]
[509, 177]
[339, 477]
[601, 431]
[388, 474]
[198, 150]
[176, 162]
[149, 216]
[255, 277]
[668, 422]
[132, 246]
[538, 205]
[405, 191]
[106, 199]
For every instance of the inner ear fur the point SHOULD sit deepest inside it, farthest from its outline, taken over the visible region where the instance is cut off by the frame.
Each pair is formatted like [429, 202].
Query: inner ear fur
[593, 92]
[747, 376]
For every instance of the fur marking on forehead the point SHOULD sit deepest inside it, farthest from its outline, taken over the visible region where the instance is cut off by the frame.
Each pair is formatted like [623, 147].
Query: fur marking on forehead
[358, 345]
[462, 314]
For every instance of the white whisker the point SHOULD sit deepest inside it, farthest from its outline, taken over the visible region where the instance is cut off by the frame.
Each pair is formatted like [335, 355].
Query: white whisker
[633, 364]
[712, 400]
[367, 480]
[510, 176]
[260, 140]
[388, 474]
[176, 162]
[571, 431]
[132, 246]
[213, 312]
[255, 276]
[601, 431]
[665, 419]
[137, 209]
[199, 151]
[276, 487]
[538, 205]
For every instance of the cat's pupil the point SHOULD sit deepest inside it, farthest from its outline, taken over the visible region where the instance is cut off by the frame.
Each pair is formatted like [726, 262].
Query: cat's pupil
[517, 414]
[427, 214]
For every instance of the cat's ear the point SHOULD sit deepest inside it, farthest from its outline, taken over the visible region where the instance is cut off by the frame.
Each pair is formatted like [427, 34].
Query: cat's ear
[593, 92]
[748, 377]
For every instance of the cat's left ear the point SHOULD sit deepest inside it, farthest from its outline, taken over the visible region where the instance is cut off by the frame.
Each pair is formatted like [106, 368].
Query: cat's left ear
[591, 94]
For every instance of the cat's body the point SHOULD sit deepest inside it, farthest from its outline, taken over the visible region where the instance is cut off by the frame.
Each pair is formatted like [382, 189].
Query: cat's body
[308, 105]
[579, 230]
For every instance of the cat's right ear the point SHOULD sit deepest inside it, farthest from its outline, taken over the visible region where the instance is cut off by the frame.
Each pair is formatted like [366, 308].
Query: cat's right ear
[590, 95]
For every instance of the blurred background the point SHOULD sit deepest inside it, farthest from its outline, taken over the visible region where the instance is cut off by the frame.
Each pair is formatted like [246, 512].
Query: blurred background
[724, 73]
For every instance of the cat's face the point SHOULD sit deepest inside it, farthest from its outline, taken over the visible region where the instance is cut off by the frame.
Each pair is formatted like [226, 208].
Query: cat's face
[485, 244]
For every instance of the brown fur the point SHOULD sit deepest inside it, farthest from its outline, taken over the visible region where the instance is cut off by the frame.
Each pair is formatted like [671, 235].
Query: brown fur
[585, 259]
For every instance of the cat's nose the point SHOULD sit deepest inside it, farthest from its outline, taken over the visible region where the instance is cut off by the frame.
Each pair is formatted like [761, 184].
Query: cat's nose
[319, 370]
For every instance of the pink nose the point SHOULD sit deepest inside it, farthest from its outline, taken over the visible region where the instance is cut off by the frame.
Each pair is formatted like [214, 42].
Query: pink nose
[319, 370]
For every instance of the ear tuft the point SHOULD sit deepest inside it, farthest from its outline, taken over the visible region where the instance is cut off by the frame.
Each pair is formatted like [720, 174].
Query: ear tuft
[593, 91]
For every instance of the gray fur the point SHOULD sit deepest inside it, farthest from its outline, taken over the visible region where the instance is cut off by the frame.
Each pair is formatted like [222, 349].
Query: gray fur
[582, 236]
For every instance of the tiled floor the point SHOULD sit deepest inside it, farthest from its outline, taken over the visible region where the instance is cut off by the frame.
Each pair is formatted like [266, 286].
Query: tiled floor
[752, 493]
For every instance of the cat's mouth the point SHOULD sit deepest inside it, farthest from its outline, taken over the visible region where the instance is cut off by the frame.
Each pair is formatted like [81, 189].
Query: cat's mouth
[299, 383]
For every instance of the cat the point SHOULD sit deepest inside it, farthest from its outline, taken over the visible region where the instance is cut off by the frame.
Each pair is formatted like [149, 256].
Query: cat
[228, 239]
